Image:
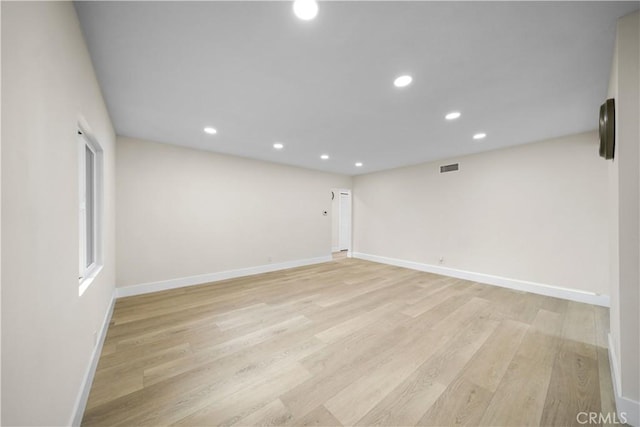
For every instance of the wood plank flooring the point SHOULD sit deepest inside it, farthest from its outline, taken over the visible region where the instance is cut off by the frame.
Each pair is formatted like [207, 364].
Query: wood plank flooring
[350, 342]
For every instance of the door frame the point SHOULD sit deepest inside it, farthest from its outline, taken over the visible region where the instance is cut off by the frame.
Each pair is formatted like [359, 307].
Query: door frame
[350, 225]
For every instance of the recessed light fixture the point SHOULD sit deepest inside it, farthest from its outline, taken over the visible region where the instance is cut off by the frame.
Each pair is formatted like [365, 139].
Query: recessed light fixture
[325, 157]
[480, 135]
[358, 164]
[305, 9]
[210, 130]
[452, 115]
[403, 81]
[278, 146]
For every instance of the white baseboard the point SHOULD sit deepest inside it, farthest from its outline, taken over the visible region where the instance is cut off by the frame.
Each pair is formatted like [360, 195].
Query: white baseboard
[164, 285]
[628, 410]
[520, 285]
[87, 381]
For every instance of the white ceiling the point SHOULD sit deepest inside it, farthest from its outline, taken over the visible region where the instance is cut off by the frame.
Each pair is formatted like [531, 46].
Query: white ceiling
[521, 72]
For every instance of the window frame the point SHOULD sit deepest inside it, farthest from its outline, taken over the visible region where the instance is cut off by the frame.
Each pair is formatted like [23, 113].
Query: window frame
[88, 271]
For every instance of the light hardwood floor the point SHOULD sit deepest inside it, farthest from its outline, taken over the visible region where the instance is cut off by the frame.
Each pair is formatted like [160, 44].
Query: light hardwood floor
[350, 342]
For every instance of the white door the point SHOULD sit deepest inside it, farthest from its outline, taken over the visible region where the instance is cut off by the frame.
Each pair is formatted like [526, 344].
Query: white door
[344, 227]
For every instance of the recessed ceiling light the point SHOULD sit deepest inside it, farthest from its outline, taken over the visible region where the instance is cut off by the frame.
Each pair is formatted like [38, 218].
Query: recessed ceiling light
[479, 135]
[452, 115]
[278, 146]
[358, 164]
[325, 157]
[305, 9]
[403, 81]
[210, 130]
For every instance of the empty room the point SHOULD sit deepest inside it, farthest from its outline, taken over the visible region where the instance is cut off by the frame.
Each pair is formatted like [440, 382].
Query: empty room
[329, 213]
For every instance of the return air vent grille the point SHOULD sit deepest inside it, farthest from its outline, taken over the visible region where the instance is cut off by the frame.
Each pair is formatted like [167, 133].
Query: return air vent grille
[449, 168]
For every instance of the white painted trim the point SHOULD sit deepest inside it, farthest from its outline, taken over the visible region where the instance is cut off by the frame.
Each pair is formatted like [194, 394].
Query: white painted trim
[145, 288]
[90, 276]
[87, 381]
[613, 361]
[520, 285]
[88, 140]
[335, 249]
[626, 409]
[346, 192]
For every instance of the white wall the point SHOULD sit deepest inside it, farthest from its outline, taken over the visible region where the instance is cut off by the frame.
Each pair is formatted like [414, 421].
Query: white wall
[184, 212]
[535, 212]
[47, 329]
[0, 225]
[612, 207]
[624, 214]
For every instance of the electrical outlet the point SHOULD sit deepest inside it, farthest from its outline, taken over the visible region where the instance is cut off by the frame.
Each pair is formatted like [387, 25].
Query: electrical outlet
[441, 260]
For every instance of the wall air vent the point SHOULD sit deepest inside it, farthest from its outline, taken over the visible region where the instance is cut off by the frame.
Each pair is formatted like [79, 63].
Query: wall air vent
[449, 168]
